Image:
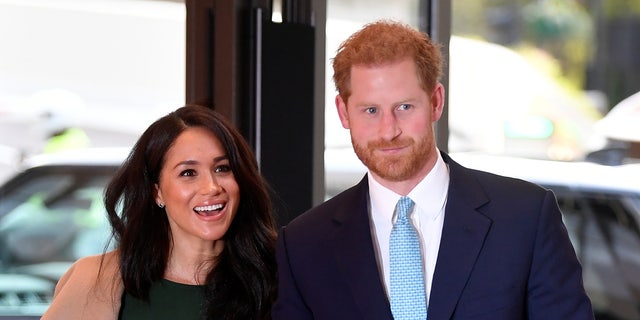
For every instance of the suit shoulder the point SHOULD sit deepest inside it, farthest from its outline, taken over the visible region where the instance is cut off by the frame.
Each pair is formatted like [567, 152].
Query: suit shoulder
[324, 214]
[492, 181]
[499, 181]
[496, 184]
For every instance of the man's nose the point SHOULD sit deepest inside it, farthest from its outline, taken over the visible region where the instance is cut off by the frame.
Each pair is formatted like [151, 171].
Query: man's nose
[389, 126]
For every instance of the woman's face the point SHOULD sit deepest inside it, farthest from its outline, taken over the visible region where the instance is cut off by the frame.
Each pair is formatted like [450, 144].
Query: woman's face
[198, 188]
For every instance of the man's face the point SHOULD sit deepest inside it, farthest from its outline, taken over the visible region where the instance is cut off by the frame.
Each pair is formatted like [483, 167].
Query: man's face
[390, 118]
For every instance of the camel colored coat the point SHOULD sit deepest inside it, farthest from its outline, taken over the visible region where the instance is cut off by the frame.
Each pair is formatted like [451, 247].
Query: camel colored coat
[91, 289]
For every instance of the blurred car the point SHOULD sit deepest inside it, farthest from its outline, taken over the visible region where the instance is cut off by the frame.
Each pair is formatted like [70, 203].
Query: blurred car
[51, 214]
[601, 209]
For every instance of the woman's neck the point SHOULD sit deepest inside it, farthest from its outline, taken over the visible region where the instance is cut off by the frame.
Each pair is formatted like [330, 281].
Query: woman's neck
[189, 264]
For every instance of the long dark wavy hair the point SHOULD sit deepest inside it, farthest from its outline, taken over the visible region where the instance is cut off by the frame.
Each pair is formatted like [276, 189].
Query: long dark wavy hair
[242, 283]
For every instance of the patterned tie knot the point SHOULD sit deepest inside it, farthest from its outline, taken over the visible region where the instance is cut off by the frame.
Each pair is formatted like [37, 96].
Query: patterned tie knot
[405, 204]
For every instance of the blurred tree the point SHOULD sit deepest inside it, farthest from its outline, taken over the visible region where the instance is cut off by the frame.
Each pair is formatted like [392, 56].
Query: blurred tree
[467, 21]
[621, 8]
[593, 43]
[565, 30]
[614, 69]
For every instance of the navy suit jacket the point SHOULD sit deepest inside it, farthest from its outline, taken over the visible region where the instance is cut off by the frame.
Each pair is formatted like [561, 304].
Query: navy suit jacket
[504, 254]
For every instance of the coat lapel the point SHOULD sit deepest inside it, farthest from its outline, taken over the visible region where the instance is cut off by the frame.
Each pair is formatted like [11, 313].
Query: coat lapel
[463, 235]
[355, 255]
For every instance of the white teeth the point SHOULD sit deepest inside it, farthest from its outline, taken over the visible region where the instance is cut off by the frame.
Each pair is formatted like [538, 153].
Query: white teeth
[209, 208]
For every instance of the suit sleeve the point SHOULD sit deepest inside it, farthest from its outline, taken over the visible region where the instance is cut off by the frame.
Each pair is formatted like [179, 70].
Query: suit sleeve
[555, 287]
[289, 303]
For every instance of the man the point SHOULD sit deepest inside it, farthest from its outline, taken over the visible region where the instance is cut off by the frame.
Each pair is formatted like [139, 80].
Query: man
[488, 247]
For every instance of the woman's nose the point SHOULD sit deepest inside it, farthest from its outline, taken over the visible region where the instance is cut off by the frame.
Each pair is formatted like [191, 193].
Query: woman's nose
[211, 185]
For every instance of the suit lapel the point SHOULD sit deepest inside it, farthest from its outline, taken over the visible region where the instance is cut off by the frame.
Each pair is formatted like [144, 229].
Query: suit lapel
[355, 256]
[463, 235]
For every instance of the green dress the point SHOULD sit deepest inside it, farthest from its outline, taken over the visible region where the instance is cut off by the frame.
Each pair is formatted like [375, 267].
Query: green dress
[167, 300]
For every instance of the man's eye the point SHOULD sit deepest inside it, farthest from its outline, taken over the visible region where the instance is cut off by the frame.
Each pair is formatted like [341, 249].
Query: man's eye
[223, 168]
[404, 106]
[370, 110]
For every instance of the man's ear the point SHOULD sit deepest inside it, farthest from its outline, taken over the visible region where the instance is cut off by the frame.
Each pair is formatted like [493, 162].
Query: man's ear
[437, 102]
[341, 106]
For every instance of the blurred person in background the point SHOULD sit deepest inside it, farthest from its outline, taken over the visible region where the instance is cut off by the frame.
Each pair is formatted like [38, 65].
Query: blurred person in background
[58, 110]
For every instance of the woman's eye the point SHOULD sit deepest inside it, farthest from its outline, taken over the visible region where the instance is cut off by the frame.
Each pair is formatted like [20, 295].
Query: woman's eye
[223, 168]
[188, 173]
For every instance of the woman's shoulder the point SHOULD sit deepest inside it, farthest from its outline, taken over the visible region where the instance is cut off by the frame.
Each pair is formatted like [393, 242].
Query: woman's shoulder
[88, 269]
[108, 260]
[94, 280]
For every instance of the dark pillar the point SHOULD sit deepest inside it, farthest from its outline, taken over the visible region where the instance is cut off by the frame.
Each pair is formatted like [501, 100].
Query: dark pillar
[260, 74]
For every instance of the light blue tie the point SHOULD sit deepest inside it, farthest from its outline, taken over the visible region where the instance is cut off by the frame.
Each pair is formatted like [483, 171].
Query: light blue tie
[408, 299]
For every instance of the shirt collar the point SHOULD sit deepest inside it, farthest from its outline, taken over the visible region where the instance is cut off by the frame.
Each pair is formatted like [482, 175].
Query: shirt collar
[429, 195]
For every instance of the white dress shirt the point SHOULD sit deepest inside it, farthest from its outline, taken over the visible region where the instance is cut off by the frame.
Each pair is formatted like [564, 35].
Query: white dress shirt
[430, 197]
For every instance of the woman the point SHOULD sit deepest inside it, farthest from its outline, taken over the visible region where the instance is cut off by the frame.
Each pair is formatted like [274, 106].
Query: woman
[193, 222]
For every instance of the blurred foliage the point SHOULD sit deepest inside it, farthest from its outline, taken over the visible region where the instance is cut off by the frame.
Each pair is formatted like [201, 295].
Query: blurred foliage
[594, 42]
[562, 28]
[565, 30]
[620, 8]
[466, 20]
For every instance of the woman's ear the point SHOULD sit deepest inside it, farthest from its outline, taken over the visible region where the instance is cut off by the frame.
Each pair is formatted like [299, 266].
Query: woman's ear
[158, 195]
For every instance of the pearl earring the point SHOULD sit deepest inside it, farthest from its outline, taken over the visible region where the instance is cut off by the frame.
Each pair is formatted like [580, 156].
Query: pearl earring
[161, 205]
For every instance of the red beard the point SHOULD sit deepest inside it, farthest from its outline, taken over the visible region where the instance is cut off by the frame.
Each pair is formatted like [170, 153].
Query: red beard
[395, 167]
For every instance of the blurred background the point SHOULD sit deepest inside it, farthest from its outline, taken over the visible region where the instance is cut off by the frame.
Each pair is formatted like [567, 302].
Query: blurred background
[534, 78]
[555, 81]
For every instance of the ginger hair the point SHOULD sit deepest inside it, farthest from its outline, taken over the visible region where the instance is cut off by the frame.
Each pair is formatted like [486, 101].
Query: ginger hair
[385, 42]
